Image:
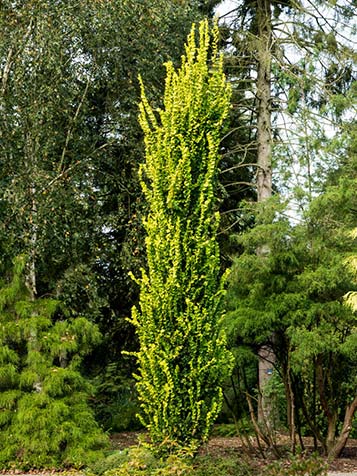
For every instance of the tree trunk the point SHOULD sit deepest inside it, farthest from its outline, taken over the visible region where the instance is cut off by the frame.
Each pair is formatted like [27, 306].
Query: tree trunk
[264, 135]
[31, 148]
[341, 441]
[264, 170]
[266, 366]
[291, 406]
[330, 413]
[31, 266]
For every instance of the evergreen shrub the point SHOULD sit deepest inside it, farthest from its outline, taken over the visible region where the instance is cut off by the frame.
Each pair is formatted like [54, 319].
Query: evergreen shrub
[183, 358]
[111, 462]
[45, 419]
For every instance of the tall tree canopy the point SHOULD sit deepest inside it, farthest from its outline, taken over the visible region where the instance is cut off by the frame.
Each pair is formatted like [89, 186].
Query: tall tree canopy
[70, 140]
[291, 65]
[70, 144]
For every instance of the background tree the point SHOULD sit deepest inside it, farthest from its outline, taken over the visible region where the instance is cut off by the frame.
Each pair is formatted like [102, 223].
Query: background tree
[182, 357]
[283, 59]
[297, 292]
[70, 144]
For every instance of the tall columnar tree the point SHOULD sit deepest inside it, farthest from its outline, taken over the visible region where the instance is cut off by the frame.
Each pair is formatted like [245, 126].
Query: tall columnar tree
[182, 358]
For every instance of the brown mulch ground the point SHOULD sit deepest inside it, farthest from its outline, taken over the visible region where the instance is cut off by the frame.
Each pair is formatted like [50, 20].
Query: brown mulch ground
[221, 446]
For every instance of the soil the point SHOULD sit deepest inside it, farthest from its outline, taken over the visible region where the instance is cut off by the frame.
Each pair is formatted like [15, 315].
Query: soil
[221, 446]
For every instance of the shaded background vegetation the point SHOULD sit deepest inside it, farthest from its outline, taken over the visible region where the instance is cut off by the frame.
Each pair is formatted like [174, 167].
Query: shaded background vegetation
[70, 146]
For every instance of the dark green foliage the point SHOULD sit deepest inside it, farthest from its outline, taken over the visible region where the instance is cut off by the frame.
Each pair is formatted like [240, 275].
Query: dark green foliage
[70, 145]
[115, 403]
[295, 292]
[45, 417]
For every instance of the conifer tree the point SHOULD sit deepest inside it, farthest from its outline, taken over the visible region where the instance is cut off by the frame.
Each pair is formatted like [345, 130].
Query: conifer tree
[297, 293]
[291, 66]
[45, 419]
[182, 358]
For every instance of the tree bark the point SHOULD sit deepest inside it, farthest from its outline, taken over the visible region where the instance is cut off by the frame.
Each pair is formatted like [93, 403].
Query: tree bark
[291, 406]
[266, 366]
[331, 414]
[264, 135]
[264, 169]
[341, 441]
[31, 150]
[31, 267]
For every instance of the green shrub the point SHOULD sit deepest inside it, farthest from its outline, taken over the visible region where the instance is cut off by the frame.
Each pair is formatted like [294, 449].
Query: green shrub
[111, 462]
[183, 360]
[45, 419]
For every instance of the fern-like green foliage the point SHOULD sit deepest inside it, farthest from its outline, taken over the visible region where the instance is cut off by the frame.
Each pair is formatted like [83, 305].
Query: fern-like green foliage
[182, 359]
[295, 292]
[45, 420]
